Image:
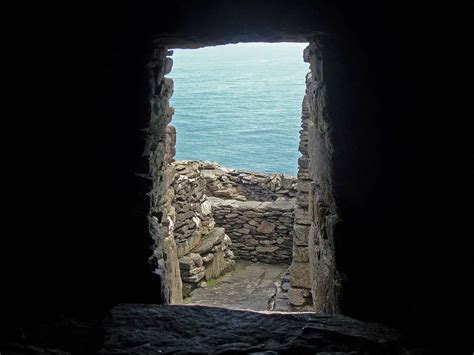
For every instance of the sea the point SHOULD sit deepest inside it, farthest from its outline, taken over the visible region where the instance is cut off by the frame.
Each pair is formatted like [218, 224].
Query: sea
[240, 105]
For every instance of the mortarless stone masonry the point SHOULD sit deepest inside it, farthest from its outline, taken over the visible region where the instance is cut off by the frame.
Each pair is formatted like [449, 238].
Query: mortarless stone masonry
[202, 248]
[251, 200]
[260, 230]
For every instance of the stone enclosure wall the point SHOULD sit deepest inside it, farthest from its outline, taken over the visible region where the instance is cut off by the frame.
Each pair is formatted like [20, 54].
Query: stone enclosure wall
[260, 230]
[202, 248]
[243, 185]
[256, 210]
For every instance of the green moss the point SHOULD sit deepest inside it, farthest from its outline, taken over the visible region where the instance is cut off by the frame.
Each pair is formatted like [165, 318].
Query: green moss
[211, 282]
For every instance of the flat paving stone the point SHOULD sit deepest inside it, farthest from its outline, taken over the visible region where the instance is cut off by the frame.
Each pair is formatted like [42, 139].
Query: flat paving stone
[250, 286]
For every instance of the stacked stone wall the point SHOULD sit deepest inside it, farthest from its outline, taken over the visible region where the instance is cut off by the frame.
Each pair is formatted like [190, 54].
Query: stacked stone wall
[255, 209]
[243, 185]
[314, 276]
[300, 292]
[160, 149]
[202, 248]
[260, 231]
[322, 209]
[185, 236]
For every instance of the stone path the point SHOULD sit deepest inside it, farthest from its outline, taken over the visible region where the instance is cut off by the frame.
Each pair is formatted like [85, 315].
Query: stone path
[251, 286]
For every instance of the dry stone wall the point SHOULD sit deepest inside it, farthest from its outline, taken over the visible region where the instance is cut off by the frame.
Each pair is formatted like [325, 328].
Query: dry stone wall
[322, 216]
[300, 292]
[184, 232]
[202, 248]
[313, 274]
[243, 185]
[256, 210]
[260, 231]
[160, 151]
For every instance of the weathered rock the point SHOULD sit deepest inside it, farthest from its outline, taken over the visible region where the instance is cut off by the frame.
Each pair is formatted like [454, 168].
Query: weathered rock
[194, 278]
[229, 254]
[243, 230]
[301, 234]
[218, 265]
[186, 263]
[300, 254]
[266, 249]
[193, 271]
[302, 216]
[207, 257]
[152, 329]
[209, 241]
[171, 289]
[206, 208]
[226, 240]
[250, 205]
[298, 296]
[168, 65]
[282, 204]
[187, 288]
[254, 223]
[185, 247]
[266, 227]
[300, 275]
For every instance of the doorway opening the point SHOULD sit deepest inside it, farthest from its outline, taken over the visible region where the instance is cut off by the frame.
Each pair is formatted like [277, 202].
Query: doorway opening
[225, 216]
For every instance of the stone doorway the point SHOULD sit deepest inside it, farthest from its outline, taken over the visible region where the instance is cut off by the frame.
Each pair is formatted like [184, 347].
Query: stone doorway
[194, 221]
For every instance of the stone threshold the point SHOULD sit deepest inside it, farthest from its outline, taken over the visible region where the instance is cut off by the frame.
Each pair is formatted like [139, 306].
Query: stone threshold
[189, 329]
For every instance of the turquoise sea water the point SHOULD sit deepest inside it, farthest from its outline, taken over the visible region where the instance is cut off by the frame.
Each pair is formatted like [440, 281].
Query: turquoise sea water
[240, 104]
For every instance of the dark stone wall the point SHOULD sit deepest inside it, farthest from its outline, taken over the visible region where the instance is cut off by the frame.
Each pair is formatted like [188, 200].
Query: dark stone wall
[86, 244]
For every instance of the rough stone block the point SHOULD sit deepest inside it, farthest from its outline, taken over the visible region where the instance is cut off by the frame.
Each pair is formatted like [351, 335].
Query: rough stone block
[217, 266]
[168, 65]
[197, 259]
[194, 271]
[298, 296]
[212, 239]
[187, 288]
[266, 227]
[186, 263]
[254, 223]
[302, 198]
[302, 216]
[300, 254]
[267, 249]
[226, 240]
[194, 278]
[300, 234]
[283, 205]
[206, 208]
[185, 247]
[303, 186]
[249, 205]
[252, 242]
[244, 230]
[300, 275]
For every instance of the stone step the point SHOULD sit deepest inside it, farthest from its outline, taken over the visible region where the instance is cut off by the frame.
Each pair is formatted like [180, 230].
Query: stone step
[153, 329]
